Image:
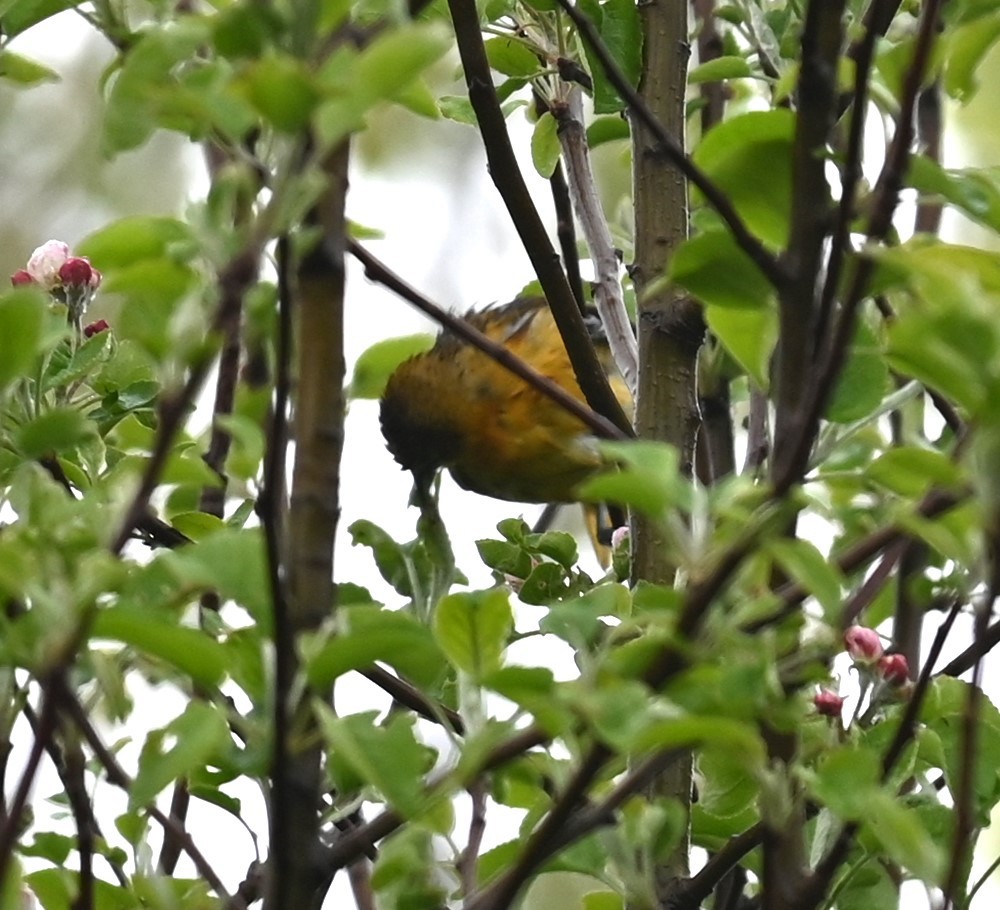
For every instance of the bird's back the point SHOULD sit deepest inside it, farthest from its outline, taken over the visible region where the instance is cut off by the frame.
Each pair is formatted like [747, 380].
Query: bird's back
[455, 407]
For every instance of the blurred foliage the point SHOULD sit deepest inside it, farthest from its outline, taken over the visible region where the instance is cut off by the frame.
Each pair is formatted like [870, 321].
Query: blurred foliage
[132, 552]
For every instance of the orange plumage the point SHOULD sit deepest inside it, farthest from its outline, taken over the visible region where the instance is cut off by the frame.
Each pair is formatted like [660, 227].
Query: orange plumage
[455, 407]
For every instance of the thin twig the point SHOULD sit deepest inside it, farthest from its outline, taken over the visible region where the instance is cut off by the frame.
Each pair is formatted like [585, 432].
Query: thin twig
[360, 840]
[410, 697]
[851, 174]
[608, 295]
[884, 201]
[10, 830]
[468, 862]
[964, 789]
[745, 239]
[378, 271]
[507, 177]
[116, 775]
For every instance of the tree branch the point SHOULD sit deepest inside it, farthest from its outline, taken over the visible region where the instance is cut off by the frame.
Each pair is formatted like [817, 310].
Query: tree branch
[590, 375]
[608, 294]
[668, 146]
[378, 271]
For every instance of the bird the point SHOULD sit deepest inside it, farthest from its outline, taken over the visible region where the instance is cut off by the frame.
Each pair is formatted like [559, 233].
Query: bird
[455, 407]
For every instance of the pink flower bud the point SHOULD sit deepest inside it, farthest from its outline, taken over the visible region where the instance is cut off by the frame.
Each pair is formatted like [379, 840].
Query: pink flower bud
[46, 261]
[21, 276]
[95, 328]
[76, 272]
[894, 669]
[863, 644]
[828, 703]
[619, 537]
[95, 279]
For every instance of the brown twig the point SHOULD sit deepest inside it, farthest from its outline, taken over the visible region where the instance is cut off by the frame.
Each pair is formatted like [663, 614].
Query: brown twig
[754, 249]
[378, 271]
[10, 829]
[883, 207]
[117, 776]
[410, 697]
[506, 175]
[810, 222]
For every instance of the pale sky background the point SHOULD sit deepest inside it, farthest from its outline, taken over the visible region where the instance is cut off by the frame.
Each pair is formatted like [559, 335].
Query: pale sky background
[446, 233]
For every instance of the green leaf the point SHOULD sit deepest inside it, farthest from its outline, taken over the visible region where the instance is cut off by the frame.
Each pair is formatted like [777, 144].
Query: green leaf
[385, 70]
[230, 562]
[973, 191]
[847, 780]
[198, 735]
[86, 359]
[196, 524]
[607, 129]
[22, 317]
[57, 889]
[57, 430]
[758, 143]
[545, 145]
[398, 56]
[245, 31]
[620, 28]
[146, 84]
[137, 238]
[559, 546]
[387, 756]
[867, 887]
[367, 634]
[191, 651]
[713, 268]
[909, 471]
[399, 564]
[472, 629]
[649, 478]
[20, 15]
[512, 57]
[902, 835]
[457, 108]
[23, 70]
[802, 561]
[863, 382]
[546, 582]
[49, 845]
[603, 900]
[580, 621]
[964, 48]
[724, 787]
[945, 713]
[719, 69]
[282, 90]
[374, 367]
[749, 335]
[505, 558]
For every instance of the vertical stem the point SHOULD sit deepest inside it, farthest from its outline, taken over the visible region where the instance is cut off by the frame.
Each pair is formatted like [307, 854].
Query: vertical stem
[670, 325]
[314, 512]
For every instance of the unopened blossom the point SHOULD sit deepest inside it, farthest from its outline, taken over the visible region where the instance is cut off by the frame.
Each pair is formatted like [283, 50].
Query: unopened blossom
[21, 276]
[79, 273]
[95, 328]
[863, 644]
[894, 669]
[46, 261]
[828, 703]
